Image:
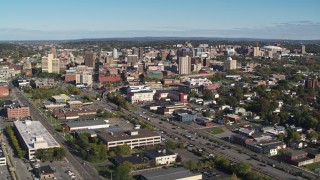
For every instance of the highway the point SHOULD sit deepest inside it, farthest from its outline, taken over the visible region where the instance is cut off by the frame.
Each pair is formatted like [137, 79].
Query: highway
[86, 172]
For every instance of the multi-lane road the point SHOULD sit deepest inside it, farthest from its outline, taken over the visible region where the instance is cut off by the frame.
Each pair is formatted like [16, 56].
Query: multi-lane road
[204, 141]
[86, 172]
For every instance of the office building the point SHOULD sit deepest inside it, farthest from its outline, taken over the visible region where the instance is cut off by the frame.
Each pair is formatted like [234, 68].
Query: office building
[136, 138]
[84, 78]
[185, 65]
[303, 49]
[85, 125]
[230, 64]
[132, 58]
[34, 136]
[50, 64]
[89, 59]
[256, 52]
[115, 53]
[17, 112]
[161, 156]
[141, 96]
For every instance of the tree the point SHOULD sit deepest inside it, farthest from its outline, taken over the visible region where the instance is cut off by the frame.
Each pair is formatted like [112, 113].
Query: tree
[171, 145]
[281, 137]
[123, 150]
[208, 95]
[191, 165]
[242, 169]
[122, 172]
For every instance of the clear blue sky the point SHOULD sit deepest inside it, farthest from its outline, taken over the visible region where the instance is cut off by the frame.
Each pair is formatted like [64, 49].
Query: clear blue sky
[74, 19]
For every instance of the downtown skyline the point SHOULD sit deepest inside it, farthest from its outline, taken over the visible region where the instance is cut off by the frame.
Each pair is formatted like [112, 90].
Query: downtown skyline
[59, 20]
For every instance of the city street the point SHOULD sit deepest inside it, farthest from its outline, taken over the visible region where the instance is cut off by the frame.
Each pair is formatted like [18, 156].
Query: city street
[87, 172]
[231, 154]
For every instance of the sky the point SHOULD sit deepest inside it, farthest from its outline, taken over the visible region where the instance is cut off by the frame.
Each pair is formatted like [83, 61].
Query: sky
[77, 19]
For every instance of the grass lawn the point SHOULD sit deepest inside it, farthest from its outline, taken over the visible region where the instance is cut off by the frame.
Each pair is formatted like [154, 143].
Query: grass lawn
[216, 130]
[313, 166]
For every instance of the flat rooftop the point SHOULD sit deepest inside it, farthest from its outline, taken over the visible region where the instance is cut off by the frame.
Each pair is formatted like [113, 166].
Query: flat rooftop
[29, 130]
[168, 174]
[125, 135]
[86, 123]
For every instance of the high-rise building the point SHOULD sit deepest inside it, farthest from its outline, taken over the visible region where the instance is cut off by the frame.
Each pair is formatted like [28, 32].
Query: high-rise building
[89, 59]
[132, 58]
[56, 65]
[230, 64]
[141, 51]
[84, 78]
[115, 53]
[303, 49]
[256, 51]
[185, 65]
[50, 64]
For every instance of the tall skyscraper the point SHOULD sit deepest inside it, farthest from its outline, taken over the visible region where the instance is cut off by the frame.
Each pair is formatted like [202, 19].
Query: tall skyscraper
[89, 59]
[115, 53]
[185, 65]
[303, 49]
[50, 64]
[256, 51]
[230, 64]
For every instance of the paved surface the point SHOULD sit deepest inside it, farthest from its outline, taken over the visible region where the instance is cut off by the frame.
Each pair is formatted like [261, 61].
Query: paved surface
[85, 173]
[201, 142]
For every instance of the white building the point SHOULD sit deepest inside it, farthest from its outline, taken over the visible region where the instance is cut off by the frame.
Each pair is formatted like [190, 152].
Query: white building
[85, 125]
[138, 88]
[3, 160]
[141, 96]
[136, 138]
[161, 156]
[34, 136]
[198, 81]
[84, 78]
[115, 53]
[6, 73]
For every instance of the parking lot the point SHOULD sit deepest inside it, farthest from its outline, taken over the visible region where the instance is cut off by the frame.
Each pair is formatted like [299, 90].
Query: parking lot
[62, 169]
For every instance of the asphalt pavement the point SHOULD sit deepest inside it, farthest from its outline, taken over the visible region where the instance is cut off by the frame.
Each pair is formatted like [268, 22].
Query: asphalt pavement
[85, 173]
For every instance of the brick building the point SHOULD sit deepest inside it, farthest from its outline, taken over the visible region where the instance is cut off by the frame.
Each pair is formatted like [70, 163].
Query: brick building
[18, 112]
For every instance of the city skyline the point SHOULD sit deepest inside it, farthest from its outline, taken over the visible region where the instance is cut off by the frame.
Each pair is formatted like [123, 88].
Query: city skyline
[59, 20]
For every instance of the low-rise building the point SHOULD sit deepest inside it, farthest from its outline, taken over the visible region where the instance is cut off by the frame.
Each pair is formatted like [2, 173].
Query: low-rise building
[46, 172]
[136, 138]
[185, 115]
[141, 96]
[161, 156]
[85, 125]
[45, 83]
[62, 98]
[33, 135]
[74, 104]
[17, 112]
[170, 174]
